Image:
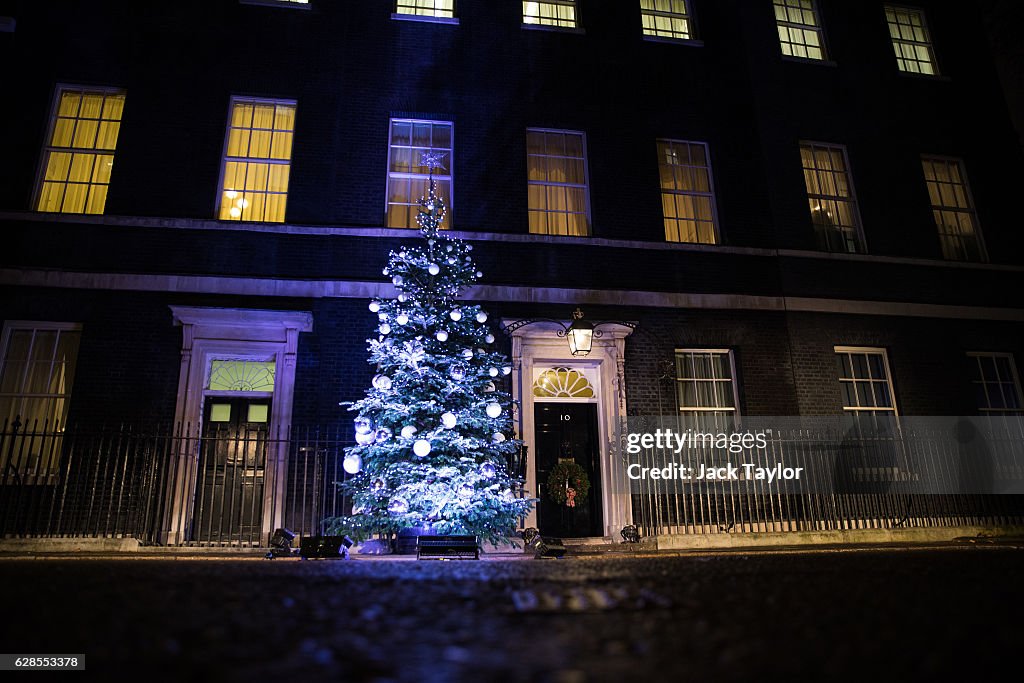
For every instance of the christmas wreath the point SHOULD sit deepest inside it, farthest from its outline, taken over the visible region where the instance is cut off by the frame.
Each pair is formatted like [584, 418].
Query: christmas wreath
[568, 484]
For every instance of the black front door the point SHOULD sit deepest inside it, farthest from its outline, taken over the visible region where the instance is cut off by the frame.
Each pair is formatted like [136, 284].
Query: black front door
[232, 459]
[568, 432]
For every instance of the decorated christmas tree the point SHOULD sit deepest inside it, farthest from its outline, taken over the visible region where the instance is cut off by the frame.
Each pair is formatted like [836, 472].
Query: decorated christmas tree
[434, 431]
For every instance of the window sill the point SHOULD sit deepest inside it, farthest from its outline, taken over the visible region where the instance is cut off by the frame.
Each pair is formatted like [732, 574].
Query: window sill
[555, 29]
[428, 20]
[938, 78]
[688, 42]
[279, 3]
[808, 60]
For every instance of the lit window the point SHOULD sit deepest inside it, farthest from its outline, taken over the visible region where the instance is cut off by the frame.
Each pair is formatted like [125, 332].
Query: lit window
[911, 41]
[557, 180]
[996, 383]
[257, 161]
[706, 385]
[864, 381]
[304, 4]
[953, 209]
[80, 153]
[441, 9]
[408, 177]
[666, 19]
[799, 29]
[687, 192]
[241, 375]
[37, 367]
[831, 197]
[561, 13]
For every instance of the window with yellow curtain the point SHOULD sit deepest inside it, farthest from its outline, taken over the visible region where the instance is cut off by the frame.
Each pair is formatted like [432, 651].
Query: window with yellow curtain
[560, 13]
[408, 178]
[687, 192]
[559, 202]
[438, 9]
[79, 153]
[257, 160]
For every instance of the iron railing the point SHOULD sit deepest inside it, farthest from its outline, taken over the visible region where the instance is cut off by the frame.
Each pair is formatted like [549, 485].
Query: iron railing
[175, 486]
[168, 485]
[870, 482]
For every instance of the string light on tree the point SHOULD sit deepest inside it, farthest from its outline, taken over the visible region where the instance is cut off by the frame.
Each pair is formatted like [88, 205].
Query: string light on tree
[434, 387]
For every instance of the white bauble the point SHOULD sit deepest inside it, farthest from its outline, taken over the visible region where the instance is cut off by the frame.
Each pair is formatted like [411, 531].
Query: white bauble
[408, 431]
[402, 319]
[364, 425]
[479, 274]
[487, 471]
[442, 336]
[433, 269]
[398, 506]
[421, 448]
[397, 280]
[506, 370]
[366, 439]
[481, 317]
[449, 420]
[374, 306]
[489, 339]
[467, 354]
[385, 329]
[493, 372]
[402, 297]
[455, 315]
[382, 316]
[383, 434]
[498, 437]
[493, 410]
[382, 382]
[458, 372]
[352, 463]
[490, 387]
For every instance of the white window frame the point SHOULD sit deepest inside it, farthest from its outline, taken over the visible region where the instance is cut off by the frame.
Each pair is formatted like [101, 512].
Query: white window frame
[47, 475]
[434, 19]
[687, 14]
[818, 28]
[586, 181]
[862, 242]
[710, 194]
[974, 355]
[44, 152]
[734, 381]
[224, 159]
[576, 26]
[930, 44]
[448, 174]
[289, 4]
[972, 209]
[875, 351]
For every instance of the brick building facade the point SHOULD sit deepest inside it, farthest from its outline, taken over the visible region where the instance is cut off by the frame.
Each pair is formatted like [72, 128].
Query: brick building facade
[764, 87]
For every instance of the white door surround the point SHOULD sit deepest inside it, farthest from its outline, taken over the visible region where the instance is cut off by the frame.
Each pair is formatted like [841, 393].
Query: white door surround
[236, 333]
[538, 346]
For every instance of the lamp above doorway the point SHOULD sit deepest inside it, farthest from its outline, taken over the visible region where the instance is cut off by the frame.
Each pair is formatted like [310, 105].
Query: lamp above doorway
[580, 333]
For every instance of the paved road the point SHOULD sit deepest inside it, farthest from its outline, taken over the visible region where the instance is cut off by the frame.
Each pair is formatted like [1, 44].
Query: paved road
[884, 614]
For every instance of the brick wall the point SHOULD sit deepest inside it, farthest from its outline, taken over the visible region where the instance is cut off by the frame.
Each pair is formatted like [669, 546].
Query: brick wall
[351, 67]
